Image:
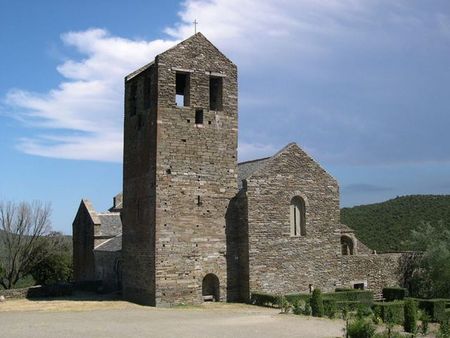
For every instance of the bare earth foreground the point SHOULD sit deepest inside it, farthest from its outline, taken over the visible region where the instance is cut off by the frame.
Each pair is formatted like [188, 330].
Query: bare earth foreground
[81, 318]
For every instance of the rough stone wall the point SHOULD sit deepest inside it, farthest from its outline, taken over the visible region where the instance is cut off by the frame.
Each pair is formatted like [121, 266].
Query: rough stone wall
[237, 248]
[107, 265]
[375, 271]
[83, 245]
[195, 172]
[138, 214]
[279, 262]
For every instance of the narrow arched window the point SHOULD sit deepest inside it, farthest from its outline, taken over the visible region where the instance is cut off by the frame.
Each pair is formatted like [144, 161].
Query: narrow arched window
[298, 216]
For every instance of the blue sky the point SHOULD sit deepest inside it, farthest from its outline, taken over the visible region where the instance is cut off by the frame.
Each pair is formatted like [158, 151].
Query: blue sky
[363, 86]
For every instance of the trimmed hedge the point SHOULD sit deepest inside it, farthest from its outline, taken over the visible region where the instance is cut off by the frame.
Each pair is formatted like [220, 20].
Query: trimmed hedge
[264, 299]
[362, 296]
[435, 308]
[390, 311]
[295, 297]
[349, 305]
[391, 294]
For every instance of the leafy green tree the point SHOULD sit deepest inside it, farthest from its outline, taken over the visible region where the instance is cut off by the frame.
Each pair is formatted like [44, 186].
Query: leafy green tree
[56, 267]
[431, 269]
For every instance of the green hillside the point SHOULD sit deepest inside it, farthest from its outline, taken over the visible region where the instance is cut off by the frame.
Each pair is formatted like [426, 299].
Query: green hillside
[384, 226]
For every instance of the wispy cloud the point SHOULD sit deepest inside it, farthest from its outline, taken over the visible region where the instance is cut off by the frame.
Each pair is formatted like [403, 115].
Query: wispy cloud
[349, 79]
[82, 117]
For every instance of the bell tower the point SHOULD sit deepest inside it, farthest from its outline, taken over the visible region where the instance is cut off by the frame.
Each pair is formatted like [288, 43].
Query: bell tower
[180, 167]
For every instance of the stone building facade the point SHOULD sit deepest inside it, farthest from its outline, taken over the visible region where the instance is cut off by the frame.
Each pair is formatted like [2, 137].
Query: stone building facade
[195, 225]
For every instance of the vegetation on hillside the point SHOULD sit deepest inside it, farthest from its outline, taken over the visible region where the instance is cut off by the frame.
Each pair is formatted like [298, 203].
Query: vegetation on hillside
[388, 226]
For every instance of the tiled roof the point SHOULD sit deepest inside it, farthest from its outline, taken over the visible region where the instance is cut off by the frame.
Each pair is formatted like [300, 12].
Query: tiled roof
[112, 244]
[246, 169]
[111, 224]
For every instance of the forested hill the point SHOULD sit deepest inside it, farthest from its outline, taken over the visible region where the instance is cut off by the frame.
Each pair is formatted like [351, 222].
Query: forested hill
[385, 226]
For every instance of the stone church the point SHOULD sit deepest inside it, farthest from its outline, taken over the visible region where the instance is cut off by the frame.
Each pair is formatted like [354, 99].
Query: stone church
[192, 224]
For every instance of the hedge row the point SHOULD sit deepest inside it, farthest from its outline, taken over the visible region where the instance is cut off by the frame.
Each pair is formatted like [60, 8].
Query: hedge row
[392, 312]
[264, 299]
[394, 293]
[435, 308]
[362, 296]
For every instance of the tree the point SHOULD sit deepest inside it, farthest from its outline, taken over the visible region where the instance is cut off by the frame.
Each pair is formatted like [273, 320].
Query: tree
[23, 241]
[57, 265]
[431, 269]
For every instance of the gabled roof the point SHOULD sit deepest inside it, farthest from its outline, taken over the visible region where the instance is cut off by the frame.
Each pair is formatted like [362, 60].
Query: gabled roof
[112, 244]
[250, 168]
[181, 44]
[87, 205]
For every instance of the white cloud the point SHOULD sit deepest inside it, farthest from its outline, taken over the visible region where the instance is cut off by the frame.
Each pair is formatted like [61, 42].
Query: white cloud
[88, 103]
[82, 118]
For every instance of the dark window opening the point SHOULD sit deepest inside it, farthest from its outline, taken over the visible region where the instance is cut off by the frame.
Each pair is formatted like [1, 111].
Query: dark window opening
[215, 93]
[358, 286]
[199, 201]
[147, 91]
[199, 116]
[133, 98]
[182, 89]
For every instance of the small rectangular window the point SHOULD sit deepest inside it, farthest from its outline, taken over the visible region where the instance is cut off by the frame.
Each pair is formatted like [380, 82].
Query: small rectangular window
[132, 98]
[215, 93]
[182, 89]
[199, 116]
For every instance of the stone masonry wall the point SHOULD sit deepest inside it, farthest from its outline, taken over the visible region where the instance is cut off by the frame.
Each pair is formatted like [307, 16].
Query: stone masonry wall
[138, 214]
[83, 246]
[279, 262]
[195, 172]
[374, 270]
[107, 269]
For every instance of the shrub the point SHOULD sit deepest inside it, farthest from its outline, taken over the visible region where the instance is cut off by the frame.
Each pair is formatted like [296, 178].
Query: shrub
[307, 310]
[435, 308]
[410, 314]
[301, 307]
[348, 305]
[294, 297]
[444, 330]
[390, 312]
[297, 307]
[263, 299]
[361, 328]
[283, 304]
[363, 311]
[317, 303]
[391, 294]
[425, 319]
[329, 308]
[343, 289]
[362, 296]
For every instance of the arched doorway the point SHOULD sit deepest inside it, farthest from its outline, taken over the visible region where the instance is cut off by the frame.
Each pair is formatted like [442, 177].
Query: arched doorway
[210, 288]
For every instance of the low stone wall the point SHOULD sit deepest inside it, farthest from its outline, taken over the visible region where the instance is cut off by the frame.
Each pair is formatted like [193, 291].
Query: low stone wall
[375, 270]
[38, 291]
[23, 292]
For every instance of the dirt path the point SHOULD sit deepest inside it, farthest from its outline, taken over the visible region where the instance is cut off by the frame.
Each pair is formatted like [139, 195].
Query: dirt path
[62, 318]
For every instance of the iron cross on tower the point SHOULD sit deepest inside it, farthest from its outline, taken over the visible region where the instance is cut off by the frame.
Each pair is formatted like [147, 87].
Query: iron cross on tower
[195, 26]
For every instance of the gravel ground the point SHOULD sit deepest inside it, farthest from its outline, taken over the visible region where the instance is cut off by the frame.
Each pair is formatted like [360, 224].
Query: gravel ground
[59, 318]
